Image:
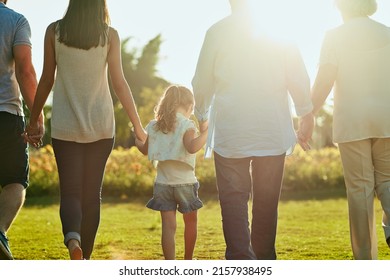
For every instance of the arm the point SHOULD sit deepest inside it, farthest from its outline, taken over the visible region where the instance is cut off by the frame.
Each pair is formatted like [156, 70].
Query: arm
[142, 146]
[323, 85]
[45, 85]
[203, 81]
[299, 88]
[27, 80]
[25, 73]
[194, 144]
[120, 86]
[327, 71]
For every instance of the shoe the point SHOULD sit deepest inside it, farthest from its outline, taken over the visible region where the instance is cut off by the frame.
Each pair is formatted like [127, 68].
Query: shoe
[75, 252]
[388, 241]
[5, 251]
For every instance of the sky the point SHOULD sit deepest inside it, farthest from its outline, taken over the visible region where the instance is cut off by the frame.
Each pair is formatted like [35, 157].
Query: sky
[183, 24]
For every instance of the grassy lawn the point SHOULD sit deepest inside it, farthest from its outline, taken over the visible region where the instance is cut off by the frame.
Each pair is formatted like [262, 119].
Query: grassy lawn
[311, 227]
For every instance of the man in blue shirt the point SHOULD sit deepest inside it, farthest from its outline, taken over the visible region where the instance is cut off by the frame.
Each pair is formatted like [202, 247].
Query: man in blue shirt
[17, 82]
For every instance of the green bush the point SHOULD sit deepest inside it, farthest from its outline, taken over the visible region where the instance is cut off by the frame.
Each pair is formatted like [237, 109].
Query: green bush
[312, 170]
[43, 172]
[130, 174]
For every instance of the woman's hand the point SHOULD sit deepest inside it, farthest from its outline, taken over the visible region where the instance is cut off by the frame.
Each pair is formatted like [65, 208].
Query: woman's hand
[305, 131]
[140, 134]
[33, 134]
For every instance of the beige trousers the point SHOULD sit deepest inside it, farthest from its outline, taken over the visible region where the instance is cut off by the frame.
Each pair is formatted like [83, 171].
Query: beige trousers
[366, 166]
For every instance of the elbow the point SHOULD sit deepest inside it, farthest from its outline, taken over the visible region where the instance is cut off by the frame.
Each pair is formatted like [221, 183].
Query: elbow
[25, 74]
[192, 149]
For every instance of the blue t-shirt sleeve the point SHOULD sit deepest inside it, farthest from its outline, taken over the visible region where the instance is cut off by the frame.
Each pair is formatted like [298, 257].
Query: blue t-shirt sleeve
[22, 32]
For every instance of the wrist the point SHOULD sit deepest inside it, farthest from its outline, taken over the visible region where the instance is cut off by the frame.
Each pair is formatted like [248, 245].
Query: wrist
[33, 125]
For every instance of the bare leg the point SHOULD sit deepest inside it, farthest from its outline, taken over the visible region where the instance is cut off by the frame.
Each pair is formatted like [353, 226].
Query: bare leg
[168, 234]
[190, 233]
[11, 201]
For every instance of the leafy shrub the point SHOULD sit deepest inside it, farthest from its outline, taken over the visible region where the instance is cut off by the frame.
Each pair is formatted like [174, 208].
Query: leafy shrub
[130, 174]
[43, 172]
[315, 169]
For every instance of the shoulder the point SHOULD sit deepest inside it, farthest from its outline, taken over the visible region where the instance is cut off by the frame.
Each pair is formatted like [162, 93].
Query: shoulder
[185, 124]
[334, 32]
[51, 30]
[52, 27]
[15, 15]
[112, 34]
[150, 127]
[16, 19]
[218, 26]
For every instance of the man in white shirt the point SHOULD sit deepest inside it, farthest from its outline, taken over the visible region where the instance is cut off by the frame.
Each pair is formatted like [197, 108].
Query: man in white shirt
[242, 85]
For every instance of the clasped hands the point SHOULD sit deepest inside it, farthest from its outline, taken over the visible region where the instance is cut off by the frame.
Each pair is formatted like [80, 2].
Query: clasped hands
[33, 134]
[305, 131]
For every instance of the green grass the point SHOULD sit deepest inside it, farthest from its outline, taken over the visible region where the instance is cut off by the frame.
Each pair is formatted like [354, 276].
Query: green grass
[312, 226]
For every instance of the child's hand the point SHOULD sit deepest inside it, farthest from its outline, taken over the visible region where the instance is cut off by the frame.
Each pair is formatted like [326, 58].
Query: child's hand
[139, 143]
[203, 126]
[142, 145]
[140, 134]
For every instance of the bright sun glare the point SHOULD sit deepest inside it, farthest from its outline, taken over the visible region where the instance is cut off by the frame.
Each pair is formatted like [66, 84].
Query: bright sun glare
[283, 19]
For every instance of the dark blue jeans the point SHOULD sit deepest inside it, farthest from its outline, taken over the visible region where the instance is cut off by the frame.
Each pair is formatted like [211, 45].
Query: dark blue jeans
[239, 179]
[81, 170]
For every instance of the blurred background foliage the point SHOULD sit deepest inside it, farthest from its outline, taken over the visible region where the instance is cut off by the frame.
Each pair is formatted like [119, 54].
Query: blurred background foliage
[130, 174]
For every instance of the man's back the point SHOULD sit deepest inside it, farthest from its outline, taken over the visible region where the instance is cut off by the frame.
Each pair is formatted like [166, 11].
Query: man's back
[250, 78]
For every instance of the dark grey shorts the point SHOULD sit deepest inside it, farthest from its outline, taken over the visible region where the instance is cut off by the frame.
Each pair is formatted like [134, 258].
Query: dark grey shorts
[13, 151]
[183, 198]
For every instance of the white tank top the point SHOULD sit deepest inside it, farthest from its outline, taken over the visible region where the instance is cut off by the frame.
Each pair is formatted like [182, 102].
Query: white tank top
[82, 105]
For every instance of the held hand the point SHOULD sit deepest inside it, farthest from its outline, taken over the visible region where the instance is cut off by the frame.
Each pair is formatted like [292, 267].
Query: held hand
[203, 126]
[304, 145]
[140, 134]
[138, 143]
[34, 134]
[305, 131]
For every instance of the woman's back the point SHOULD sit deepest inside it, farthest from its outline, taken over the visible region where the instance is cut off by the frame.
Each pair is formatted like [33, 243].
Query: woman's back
[361, 51]
[82, 101]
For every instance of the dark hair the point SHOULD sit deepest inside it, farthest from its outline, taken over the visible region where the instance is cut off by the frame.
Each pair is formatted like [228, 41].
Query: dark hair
[85, 24]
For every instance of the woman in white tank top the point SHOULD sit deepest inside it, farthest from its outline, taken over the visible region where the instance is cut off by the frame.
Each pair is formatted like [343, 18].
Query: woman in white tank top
[79, 50]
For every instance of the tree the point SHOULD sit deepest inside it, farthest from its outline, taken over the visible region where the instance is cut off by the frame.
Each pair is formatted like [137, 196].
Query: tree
[140, 73]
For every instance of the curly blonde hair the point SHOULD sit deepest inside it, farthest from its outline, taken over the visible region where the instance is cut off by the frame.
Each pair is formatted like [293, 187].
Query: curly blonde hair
[357, 7]
[165, 112]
